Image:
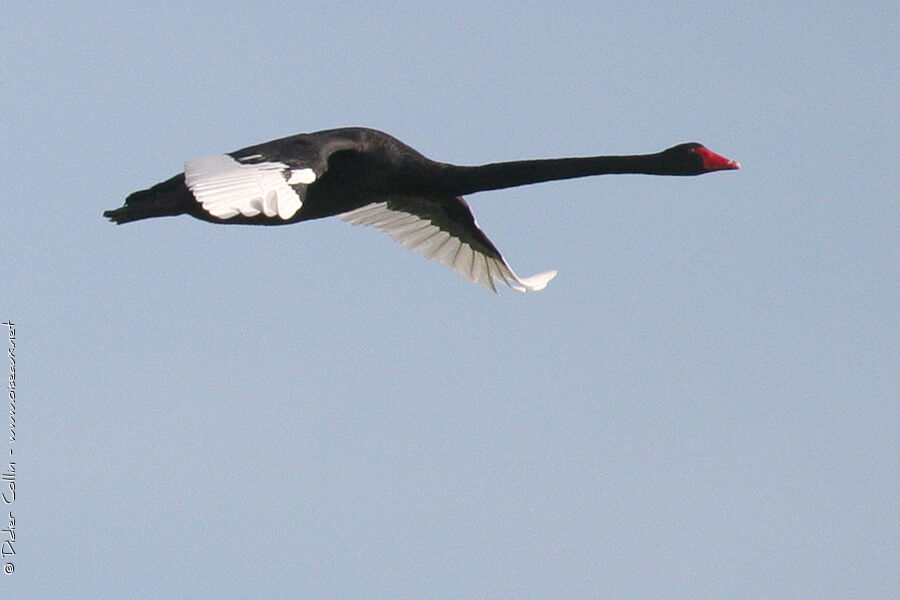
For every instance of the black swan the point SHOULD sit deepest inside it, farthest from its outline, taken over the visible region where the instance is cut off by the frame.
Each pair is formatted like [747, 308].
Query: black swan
[370, 178]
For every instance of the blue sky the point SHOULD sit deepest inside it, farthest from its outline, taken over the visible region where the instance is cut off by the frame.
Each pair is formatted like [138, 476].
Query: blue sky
[703, 403]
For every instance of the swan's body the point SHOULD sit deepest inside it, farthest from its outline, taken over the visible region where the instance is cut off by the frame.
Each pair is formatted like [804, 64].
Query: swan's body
[370, 178]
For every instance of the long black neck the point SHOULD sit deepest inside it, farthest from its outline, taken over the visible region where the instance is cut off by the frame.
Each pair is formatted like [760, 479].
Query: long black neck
[467, 180]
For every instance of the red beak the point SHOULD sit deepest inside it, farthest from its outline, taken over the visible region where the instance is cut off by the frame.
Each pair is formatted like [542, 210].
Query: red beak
[715, 162]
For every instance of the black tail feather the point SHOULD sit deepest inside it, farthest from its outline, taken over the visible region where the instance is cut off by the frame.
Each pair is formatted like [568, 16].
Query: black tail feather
[165, 199]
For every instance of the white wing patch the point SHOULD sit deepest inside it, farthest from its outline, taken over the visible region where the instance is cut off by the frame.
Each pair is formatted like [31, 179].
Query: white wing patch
[430, 241]
[305, 176]
[226, 188]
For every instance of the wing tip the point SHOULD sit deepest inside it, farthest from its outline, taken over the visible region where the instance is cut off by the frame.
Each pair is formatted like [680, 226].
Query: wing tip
[535, 283]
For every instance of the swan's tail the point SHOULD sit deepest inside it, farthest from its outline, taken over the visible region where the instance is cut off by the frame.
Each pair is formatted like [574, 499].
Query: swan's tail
[165, 199]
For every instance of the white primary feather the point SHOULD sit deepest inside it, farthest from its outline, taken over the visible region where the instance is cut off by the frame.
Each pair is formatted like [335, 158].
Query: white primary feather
[305, 176]
[226, 188]
[430, 241]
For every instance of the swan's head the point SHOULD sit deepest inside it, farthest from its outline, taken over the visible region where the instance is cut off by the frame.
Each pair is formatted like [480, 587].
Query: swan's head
[695, 159]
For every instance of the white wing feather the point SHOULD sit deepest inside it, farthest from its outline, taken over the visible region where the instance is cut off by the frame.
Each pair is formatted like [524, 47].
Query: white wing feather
[226, 188]
[431, 241]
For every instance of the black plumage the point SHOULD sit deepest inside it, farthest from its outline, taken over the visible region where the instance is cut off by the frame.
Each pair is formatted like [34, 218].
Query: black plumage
[370, 178]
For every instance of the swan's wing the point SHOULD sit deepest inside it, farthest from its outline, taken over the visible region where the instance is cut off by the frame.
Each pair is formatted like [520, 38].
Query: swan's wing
[226, 186]
[446, 231]
[268, 181]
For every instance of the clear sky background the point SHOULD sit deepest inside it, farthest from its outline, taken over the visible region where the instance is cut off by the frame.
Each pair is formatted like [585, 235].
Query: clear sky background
[705, 403]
